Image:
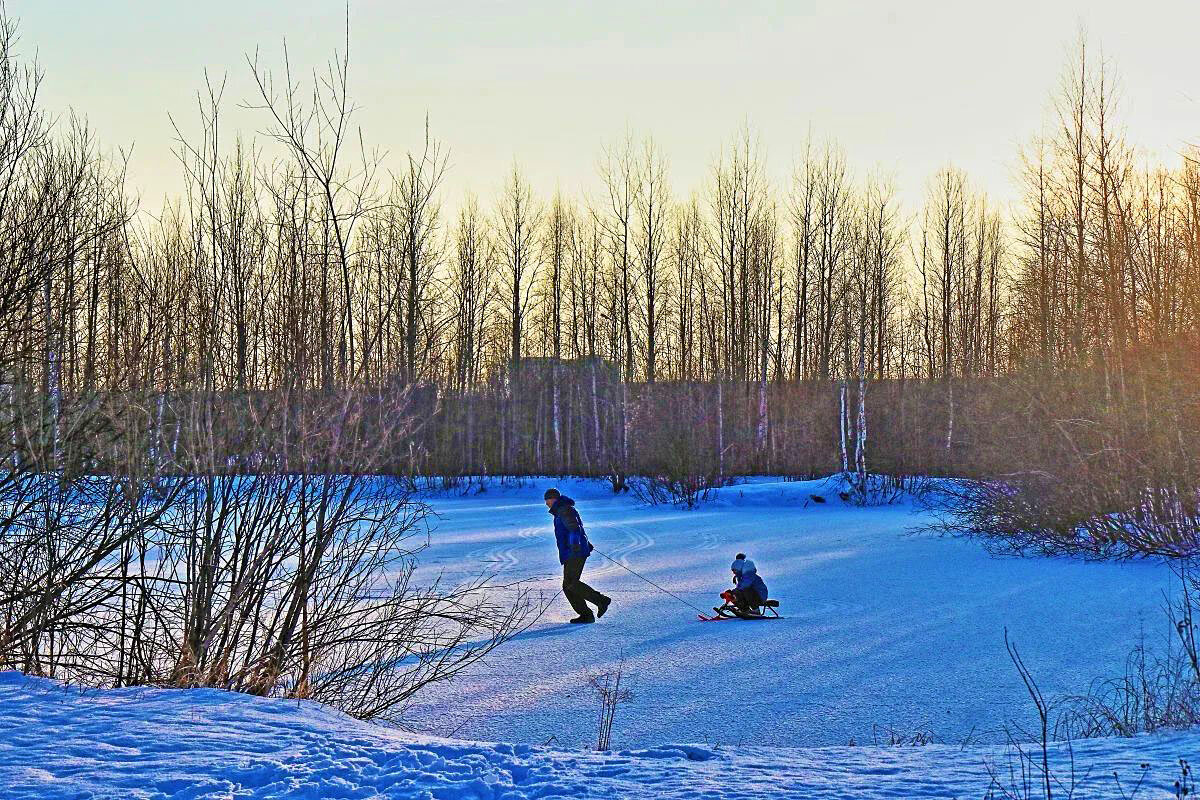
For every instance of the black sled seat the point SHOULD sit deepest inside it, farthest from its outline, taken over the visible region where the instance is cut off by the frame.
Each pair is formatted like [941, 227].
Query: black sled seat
[768, 609]
[765, 611]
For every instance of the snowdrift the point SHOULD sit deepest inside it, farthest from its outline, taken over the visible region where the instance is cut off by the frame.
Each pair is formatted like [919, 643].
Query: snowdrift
[60, 743]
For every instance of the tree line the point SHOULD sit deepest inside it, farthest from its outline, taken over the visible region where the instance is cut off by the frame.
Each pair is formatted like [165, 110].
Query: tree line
[534, 332]
[321, 266]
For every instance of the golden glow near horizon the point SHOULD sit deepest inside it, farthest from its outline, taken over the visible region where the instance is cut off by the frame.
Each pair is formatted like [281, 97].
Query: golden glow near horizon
[905, 88]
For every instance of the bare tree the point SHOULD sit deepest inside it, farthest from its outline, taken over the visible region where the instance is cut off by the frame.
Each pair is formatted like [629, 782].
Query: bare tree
[518, 223]
[415, 194]
[318, 135]
[652, 206]
[619, 172]
[471, 281]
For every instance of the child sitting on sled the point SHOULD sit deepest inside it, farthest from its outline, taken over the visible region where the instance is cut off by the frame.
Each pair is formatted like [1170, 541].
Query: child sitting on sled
[748, 592]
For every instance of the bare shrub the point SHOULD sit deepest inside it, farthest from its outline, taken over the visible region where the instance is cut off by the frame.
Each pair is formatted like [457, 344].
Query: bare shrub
[610, 693]
[1154, 693]
[65, 551]
[888, 736]
[1156, 690]
[1105, 471]
[679, 463]
[1027, 772]
[688, 491]
[292, 579]
[305, 572]
[463, 485]
[1043, 514]
[873, 489]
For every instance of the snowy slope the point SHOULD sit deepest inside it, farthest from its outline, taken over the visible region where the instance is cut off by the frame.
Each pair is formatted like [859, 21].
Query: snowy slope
[59, 744]
[883, 626]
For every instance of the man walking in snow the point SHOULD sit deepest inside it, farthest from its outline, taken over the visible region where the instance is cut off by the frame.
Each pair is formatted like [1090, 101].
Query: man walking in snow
[573, 550]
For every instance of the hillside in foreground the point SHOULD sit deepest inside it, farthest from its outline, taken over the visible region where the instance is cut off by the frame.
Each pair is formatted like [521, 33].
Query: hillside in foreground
[59, 743]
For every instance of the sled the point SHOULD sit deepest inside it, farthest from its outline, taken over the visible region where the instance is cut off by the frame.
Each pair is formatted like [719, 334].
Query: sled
[730, 611]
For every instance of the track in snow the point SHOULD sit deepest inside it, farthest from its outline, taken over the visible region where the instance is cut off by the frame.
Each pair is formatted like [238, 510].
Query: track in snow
[883, 626]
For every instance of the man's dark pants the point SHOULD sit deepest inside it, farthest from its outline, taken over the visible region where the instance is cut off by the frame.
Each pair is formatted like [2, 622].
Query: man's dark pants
[578, 593]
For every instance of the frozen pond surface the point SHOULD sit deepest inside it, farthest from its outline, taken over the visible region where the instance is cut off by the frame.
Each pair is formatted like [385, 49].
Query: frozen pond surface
[883, 626]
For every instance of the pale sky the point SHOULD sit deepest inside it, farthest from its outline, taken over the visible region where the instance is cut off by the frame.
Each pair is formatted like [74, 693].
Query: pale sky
[905, 87]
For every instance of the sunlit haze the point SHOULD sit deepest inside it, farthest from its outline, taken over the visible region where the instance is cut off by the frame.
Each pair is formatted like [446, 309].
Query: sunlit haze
[905, 88]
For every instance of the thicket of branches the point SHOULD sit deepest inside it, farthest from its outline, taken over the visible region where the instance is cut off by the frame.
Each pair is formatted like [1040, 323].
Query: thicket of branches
[157, 528]
[749, 326]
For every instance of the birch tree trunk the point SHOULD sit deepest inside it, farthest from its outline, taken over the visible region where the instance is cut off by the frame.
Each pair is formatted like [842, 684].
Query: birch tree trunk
[842, 430]
[624, 427]
[720, 431]
[761, 428]
[555, 415]
[10, 397]
[860, 440]
[950, 414]
[596, 417]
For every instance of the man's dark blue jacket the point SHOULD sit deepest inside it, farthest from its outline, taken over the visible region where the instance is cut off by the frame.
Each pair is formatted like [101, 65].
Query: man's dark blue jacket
[568, 531]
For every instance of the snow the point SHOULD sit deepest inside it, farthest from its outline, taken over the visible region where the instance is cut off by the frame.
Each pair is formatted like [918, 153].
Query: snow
[58, 743]
[883, 626]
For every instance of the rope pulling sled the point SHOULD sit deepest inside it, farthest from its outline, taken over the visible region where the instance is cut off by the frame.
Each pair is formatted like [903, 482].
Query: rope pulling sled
[727, 611]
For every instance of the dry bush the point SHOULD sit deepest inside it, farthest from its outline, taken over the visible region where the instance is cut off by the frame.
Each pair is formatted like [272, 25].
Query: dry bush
[888, 736]
[1154, 693]
[1157, 691]
[678, 462]
[273, 562]
[882, 490]
[1028, 772]
[1102, 465]
[610, 693]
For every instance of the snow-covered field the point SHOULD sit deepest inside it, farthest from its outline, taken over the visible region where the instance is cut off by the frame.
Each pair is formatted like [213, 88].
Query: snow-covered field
[882, 626]
[145, 744]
